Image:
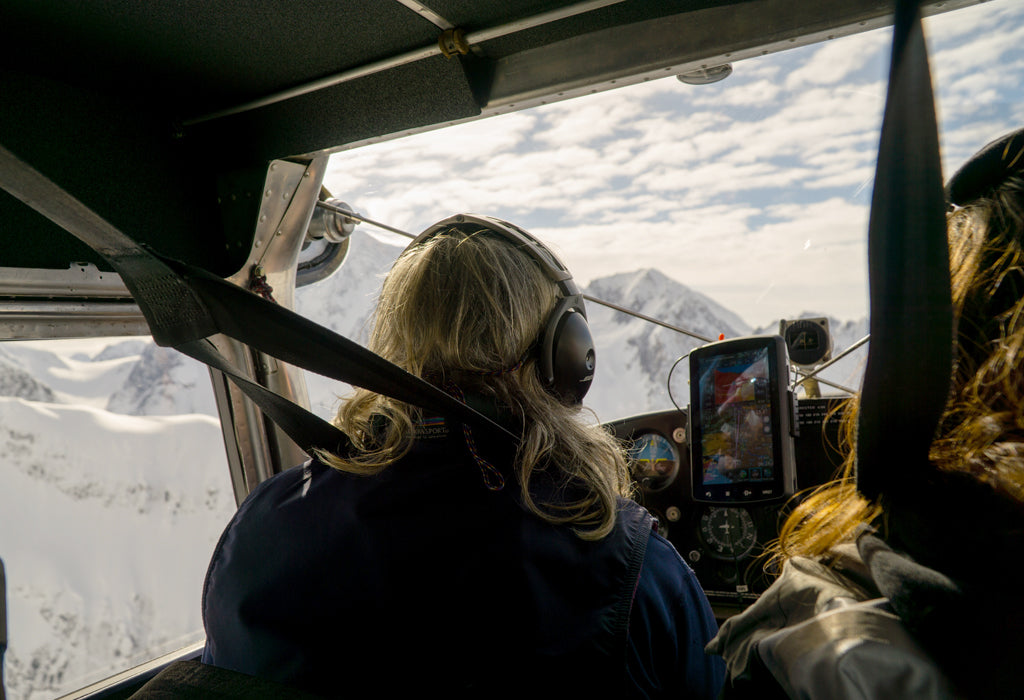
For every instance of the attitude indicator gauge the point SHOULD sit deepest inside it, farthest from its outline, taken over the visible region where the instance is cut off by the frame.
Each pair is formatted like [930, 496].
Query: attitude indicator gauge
[654, 461]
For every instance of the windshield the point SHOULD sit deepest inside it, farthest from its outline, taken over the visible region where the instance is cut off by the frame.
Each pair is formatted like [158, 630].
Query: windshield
[720, 208]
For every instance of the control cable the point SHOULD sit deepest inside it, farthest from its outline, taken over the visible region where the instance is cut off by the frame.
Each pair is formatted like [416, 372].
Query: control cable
[622, 309]
[588, 297]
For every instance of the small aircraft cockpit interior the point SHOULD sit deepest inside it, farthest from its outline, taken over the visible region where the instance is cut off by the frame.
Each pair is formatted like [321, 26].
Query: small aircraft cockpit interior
[199, 202]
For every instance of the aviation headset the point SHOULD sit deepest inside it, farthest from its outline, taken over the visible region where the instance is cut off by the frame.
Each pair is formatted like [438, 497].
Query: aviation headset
[565, 347]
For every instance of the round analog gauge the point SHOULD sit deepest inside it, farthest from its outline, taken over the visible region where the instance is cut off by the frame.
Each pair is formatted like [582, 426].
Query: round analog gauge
[654, 461]
[808, 342]
[728, 533]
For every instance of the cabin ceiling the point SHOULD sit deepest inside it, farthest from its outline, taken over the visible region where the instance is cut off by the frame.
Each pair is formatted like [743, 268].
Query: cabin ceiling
[162, 116]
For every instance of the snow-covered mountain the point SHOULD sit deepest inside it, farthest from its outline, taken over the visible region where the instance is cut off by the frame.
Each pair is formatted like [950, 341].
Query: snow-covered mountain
[631, 352]
[114, 486]
[106, 521]
[17, 380]
[634, 357]
[164, 382]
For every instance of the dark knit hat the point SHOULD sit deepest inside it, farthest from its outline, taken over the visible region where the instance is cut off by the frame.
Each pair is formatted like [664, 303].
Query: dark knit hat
[987, 168]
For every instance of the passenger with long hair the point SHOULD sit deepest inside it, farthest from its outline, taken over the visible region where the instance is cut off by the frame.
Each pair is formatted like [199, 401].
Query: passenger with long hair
[916, 596]
[435, 556]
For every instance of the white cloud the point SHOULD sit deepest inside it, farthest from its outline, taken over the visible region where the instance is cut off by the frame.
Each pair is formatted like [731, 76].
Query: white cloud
[594, 120]
[721, 186]
[835, 60]
[985, 20]
[757, 92]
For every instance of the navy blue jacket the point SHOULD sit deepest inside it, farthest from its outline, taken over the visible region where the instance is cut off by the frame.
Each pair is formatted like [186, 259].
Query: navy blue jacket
[419, 579]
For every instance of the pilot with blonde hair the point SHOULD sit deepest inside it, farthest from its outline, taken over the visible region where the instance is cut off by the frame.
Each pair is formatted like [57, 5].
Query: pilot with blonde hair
[437, 556]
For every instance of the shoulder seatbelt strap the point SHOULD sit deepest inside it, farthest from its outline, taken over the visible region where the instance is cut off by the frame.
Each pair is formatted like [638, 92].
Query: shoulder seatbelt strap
[906, 382]
[306, 429]
[184, 304]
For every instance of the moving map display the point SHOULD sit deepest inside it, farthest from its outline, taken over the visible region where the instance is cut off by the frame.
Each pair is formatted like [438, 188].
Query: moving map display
[741, 442]
[736, 420]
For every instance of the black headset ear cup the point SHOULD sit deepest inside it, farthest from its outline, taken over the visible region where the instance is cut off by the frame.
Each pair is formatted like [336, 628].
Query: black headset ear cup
[572, 357]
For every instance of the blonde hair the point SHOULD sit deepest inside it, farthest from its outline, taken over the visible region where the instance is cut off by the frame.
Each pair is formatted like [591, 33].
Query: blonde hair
[465, 308]
[981, 432]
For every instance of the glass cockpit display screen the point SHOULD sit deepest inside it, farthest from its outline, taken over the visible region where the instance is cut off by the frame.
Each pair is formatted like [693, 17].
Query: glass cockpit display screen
[739, 421]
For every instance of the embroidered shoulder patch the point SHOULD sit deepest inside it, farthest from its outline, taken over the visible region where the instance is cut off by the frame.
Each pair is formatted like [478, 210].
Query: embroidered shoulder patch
[431, 427]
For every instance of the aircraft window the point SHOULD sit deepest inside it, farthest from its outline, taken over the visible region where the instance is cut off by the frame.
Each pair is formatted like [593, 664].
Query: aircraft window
[720, 208]
[113, 490]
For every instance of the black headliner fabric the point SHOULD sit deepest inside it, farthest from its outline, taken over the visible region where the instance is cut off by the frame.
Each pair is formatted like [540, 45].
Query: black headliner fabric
[195, 55]
[95, 96]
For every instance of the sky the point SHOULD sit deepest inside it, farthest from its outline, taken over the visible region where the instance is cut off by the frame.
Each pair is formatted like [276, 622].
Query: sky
[754, 191]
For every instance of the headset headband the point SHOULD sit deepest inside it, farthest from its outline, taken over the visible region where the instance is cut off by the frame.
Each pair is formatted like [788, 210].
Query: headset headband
[548, 261]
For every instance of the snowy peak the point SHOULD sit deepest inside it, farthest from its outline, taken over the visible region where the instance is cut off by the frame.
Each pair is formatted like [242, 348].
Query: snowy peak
[164, 383]
[16, 382]
[125, 348]
[635, 357]
[655, 294]
[344, 303]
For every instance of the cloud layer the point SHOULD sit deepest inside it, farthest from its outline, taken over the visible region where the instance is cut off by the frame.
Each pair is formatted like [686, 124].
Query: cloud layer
[754, 190]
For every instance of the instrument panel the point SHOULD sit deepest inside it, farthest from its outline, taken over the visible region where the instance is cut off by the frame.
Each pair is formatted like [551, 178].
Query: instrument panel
[722, 544]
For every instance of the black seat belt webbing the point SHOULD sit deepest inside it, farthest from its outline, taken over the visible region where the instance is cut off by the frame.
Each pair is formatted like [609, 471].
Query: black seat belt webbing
[906, 382]
[306, 429]
[273, 329]
[296, 340]
[184, 304]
